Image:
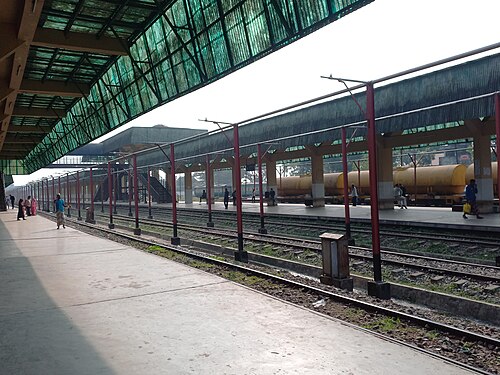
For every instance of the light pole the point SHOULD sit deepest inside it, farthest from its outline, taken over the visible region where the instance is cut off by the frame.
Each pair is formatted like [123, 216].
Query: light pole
[377, 287]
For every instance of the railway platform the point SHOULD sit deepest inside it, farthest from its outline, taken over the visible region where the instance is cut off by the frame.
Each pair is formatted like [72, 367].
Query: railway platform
[77, 304]
[436, 217]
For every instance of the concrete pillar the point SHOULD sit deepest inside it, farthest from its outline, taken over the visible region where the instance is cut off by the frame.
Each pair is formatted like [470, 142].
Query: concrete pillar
[318, 185]
[271, 176]
[483, 173]
[385, 180]
[188, 187]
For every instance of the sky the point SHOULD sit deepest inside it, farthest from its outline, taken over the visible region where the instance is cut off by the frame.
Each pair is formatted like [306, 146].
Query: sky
[384, 37]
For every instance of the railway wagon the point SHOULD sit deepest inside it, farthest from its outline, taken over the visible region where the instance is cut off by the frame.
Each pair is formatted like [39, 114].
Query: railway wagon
[435, 185]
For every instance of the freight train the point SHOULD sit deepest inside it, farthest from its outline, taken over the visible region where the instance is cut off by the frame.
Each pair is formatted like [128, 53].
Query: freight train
[434, 185]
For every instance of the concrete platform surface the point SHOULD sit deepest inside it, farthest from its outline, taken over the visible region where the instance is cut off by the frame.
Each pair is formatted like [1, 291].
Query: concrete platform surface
[76, 304]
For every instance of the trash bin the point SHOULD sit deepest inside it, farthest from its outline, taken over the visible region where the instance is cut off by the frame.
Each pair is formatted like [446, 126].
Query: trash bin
[335, 253]
[89, 216]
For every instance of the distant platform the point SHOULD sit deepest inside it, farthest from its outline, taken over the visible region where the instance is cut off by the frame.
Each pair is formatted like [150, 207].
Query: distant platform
[77, 304]
[435, 217]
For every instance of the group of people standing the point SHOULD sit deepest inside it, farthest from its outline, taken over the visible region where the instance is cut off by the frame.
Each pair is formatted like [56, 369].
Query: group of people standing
[25, 207]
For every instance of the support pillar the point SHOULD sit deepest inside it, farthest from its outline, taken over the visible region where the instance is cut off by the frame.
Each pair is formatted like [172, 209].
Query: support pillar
[188, 187]
[385, 178]
[271, 177]
[318, 184]
[482, 172]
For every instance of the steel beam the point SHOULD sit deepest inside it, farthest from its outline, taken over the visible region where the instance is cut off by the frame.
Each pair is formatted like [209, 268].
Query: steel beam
[55, 88]
[80, 42]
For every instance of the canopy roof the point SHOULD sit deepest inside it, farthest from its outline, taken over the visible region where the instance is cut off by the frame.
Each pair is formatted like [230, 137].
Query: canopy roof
[73, 70]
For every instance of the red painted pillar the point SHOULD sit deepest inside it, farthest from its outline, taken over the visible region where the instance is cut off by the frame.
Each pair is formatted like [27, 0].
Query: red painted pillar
[241, 255]
[376, 288]
[129, 190]
[497, 127]
[346, 182]
[150, 216]
[68, 194]
[53, 192]
[175, 240]
[372, 154]
[137, 230]
[78, 195]
[110, 193]
[208, 175]
[262, 229]
[90, 219]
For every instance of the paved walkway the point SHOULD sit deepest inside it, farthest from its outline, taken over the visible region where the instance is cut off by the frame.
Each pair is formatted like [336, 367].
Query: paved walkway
[76, 304]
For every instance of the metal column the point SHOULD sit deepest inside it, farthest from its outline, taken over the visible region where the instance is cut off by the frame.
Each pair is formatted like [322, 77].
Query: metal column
[262, 229]
[78, 195]
[345, 174]
[150, 216]
[137, 230]
[175, 240]
[208, 175]
[68, 194]
[110, 193]
[90, 215]
[376, 288]
[241, 255]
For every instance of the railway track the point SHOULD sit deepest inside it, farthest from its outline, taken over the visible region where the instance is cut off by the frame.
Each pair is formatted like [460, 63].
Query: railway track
[487, 344]
[483, 273]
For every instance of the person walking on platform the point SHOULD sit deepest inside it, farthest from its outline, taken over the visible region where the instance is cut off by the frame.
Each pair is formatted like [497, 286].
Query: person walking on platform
[234, 198]
[470, 197]
[60, 211]
[12, 200]
[226, 198]
[253, 195]
[20, 212]
[354, 195]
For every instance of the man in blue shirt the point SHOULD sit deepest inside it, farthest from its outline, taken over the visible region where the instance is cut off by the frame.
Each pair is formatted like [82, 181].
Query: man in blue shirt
[470, 196]
[60, 211]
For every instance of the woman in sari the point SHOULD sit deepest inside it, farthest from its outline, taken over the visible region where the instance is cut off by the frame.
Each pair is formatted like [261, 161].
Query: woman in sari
[33, 206]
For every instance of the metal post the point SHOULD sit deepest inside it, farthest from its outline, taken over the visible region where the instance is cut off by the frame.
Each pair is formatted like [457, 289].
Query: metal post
[115, 196]
[53, 192]
[175, 240]
[346, 193]
[68, 194]
[262, 229]
[129, 194]
[241, 255]
[137, 230]
[59, 184]
[90, 216]
[150, 216]
[497, 127]
[376, 288]
[415, 177]
[78, 195]
[208, 175]
[102, 195]
[110, 193]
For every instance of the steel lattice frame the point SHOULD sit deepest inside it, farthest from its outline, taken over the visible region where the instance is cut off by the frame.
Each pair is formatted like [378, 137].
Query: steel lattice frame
[193, 43]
